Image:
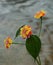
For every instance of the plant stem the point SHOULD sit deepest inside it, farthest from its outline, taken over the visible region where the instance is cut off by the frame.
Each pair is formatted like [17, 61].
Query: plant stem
[40, 26]
[37, 61]
[39, 36]
[18, 43]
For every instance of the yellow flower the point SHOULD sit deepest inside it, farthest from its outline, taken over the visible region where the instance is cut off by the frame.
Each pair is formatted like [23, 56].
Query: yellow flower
[8, 42]
[39, 14]
[25, 31]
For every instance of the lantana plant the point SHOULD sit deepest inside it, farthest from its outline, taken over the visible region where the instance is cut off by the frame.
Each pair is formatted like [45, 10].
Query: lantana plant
[33, 42]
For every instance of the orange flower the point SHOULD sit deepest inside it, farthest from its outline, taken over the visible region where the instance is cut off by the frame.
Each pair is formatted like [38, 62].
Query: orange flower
[8, 42]
[39, 14]
[25, 31]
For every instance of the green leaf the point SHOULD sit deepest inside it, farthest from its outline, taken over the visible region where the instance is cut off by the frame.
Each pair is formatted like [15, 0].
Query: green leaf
[33, 45]
[18, 32]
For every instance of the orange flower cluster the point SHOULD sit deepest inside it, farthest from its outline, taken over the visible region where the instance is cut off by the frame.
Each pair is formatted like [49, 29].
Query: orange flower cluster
[39, 14]
[8, 42]
[26, 31]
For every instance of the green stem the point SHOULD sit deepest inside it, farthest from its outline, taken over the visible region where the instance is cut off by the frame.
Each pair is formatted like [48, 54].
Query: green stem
[39, 36]
[18, 43]
[37, 61]
[40, 26]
